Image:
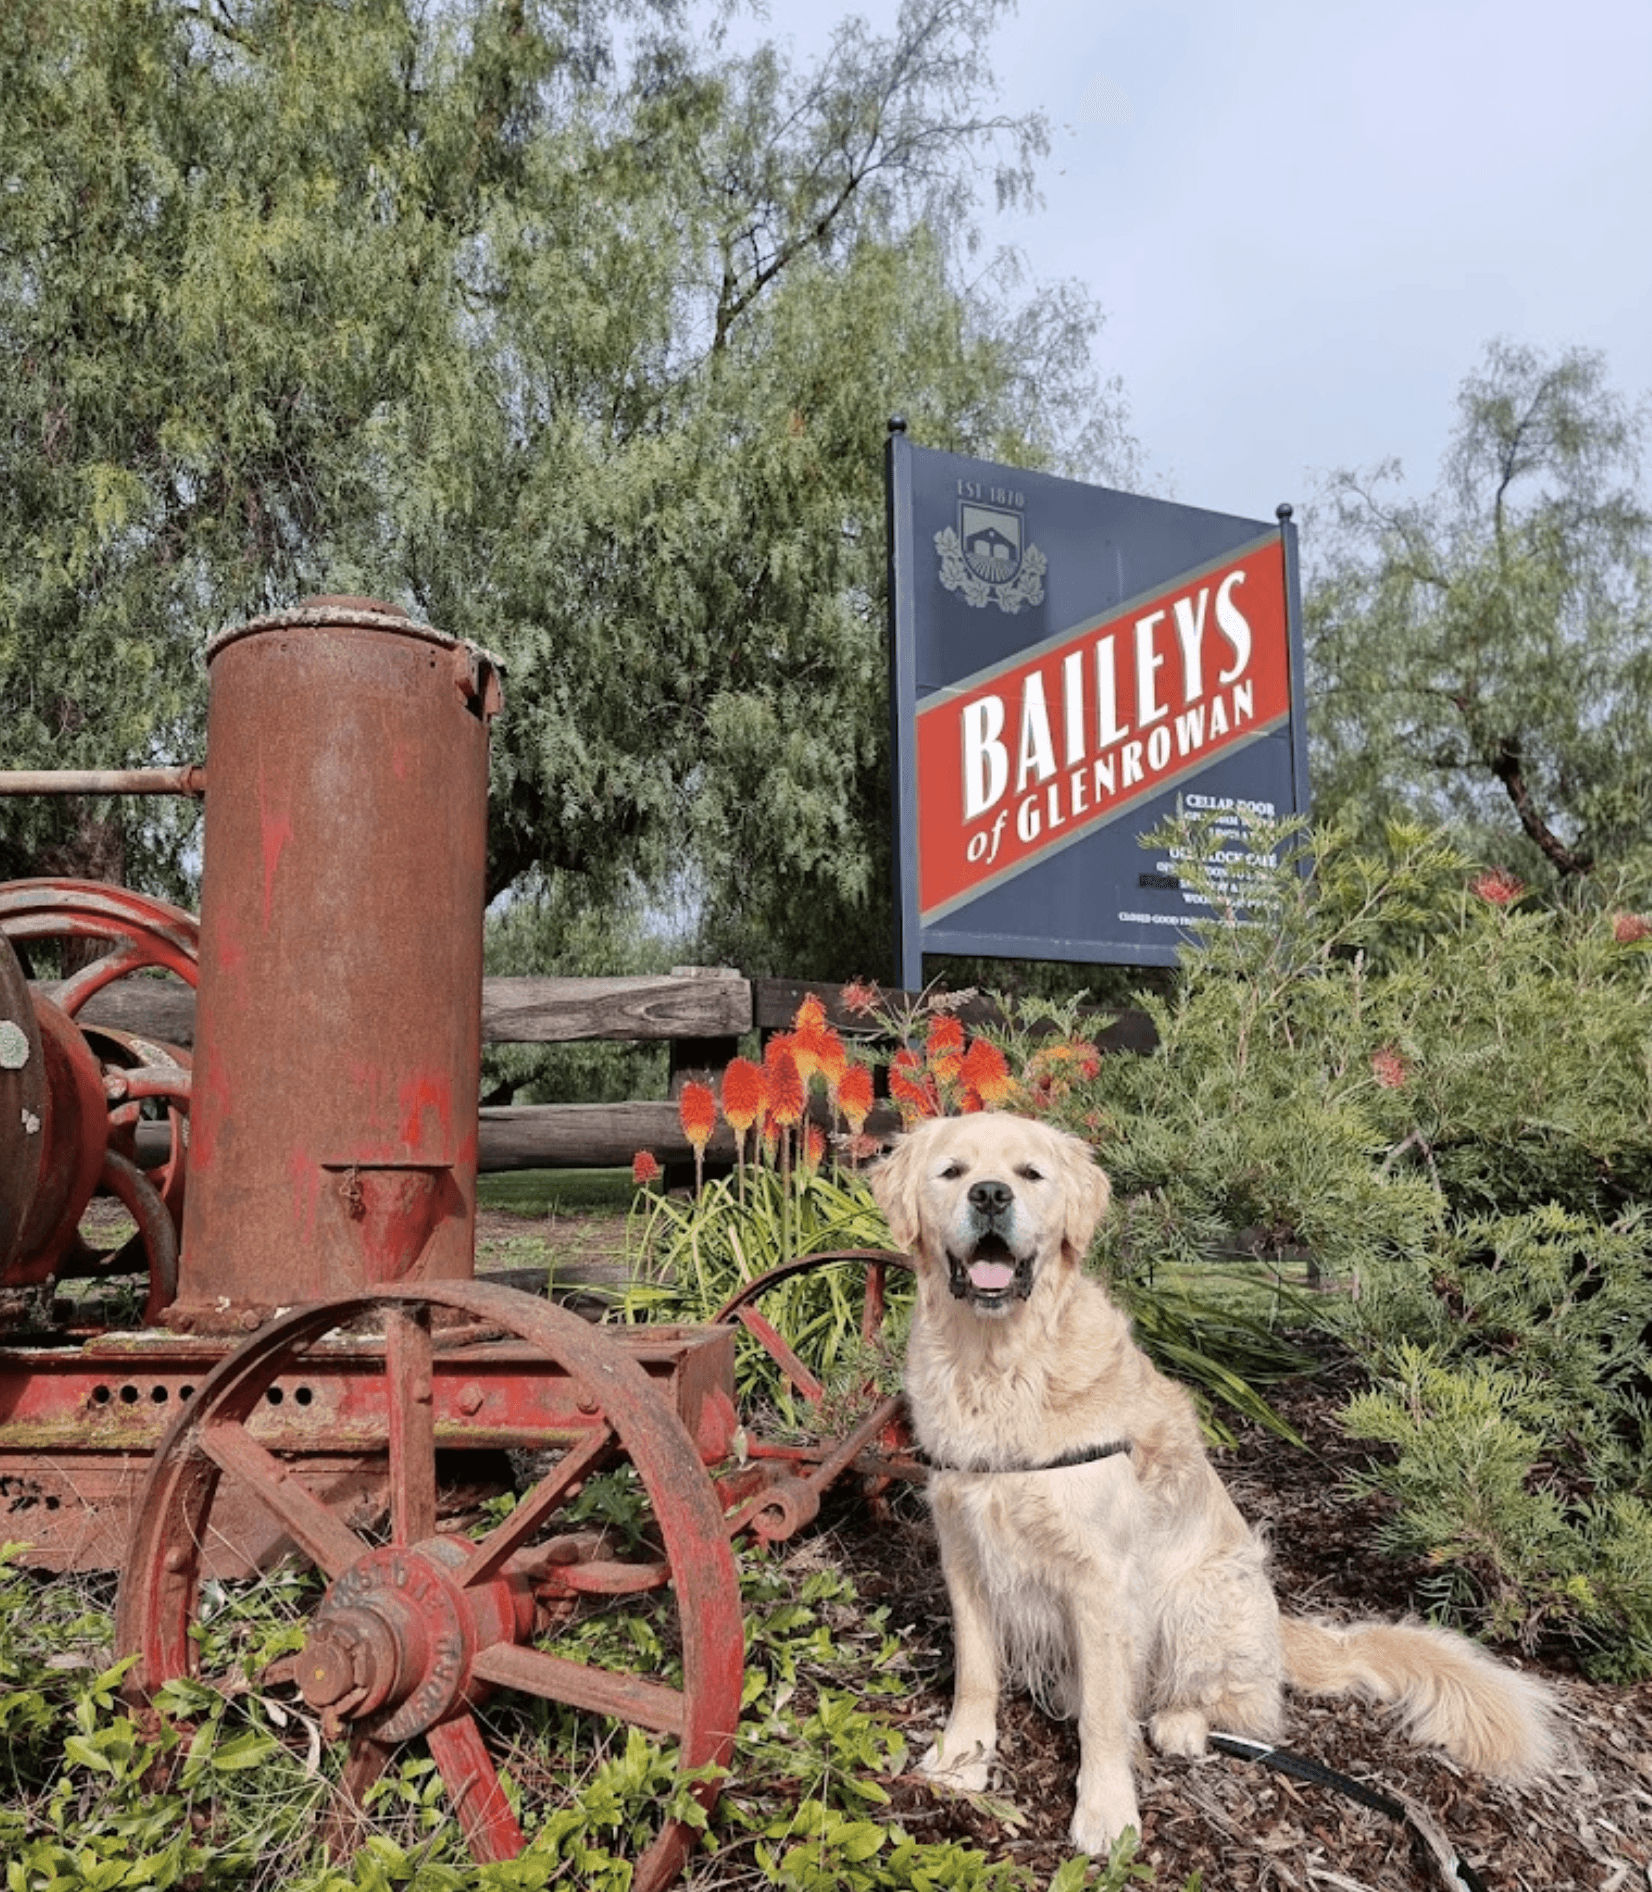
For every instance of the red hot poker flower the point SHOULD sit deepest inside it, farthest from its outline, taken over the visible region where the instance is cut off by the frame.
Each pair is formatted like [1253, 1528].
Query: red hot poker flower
[985, 1071]
[854, 1096]
[813, 1153]
[644, 1168]
[744, 1095]
[861, 997]
[808, 1038]
[912, 1088]
[945, 1049]
[786, 1092]
[697, 1112]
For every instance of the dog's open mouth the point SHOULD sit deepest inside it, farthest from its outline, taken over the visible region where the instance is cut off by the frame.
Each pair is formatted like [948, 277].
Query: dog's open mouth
[991, 1275]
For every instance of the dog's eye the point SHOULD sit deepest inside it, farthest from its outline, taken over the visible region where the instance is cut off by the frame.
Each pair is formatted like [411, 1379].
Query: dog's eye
[1030, 1172]
[952, 1172]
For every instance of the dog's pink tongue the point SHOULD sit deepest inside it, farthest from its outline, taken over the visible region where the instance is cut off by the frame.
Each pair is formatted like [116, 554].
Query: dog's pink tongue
[991, 1277]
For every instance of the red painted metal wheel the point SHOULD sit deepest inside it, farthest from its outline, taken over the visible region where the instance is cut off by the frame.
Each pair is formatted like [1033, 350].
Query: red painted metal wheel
[831, 1404]
[419, 1627]
[103, 1081]
[801, 1365]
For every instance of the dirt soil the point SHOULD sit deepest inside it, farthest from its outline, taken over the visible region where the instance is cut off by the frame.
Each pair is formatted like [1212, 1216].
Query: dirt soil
[1245, 1827]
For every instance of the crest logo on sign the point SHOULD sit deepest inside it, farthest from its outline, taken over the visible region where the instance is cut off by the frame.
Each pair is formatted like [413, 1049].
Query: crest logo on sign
[984, 560]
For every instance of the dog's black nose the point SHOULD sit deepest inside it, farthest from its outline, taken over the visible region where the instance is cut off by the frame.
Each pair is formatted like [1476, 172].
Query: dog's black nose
[990, 1198]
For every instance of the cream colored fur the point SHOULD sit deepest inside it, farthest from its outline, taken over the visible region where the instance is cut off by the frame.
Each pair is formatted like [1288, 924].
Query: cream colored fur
[1130, 1586]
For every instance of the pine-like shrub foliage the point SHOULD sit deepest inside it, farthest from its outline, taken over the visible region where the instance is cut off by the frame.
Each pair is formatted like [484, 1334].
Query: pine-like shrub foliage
[1433, 1092]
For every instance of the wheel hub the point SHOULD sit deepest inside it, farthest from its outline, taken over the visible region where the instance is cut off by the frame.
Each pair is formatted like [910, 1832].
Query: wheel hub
[396, 1638]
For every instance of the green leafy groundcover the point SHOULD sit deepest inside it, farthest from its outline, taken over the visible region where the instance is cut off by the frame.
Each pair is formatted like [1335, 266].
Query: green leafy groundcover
[226, 1787]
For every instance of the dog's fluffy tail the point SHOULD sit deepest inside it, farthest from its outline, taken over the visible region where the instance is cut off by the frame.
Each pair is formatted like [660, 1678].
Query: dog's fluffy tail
[1449, 1693]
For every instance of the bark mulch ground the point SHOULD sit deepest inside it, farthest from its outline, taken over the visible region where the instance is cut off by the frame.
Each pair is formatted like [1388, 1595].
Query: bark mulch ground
[1246, 1827]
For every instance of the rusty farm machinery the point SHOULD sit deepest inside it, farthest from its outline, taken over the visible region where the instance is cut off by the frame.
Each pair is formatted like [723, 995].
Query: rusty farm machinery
[311, 1374]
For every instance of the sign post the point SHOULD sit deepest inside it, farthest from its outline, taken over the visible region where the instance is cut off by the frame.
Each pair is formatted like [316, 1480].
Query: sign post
[1069, 666]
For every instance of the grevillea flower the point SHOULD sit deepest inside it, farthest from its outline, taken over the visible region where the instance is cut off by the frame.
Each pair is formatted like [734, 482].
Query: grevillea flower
[944, 1048]
[1389, 1068]
[1629, 929]
[860, 1147]
[744, 1094]
[1499, 886]
[786, 1093]
[986, 1074]
[697, 1112]
[861, 997]
[644, 1169]
[854, 1096]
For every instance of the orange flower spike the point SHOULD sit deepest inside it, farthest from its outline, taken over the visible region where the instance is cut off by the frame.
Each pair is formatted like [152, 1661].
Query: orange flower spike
[808, 1038]
[645, 1169]
[986, 1072]
[912, 1088]
[854, 1096]
[787, 1096]
[697, 1112]
[945, 1048]
[834, 1058]
[744, 1094]
[813, 1153]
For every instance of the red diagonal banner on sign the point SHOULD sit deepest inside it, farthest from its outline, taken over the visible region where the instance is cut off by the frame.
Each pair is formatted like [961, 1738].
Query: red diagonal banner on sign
[1026, 758]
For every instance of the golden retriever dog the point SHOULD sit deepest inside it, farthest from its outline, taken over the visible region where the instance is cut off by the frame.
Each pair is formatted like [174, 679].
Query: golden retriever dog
[1089, 1549]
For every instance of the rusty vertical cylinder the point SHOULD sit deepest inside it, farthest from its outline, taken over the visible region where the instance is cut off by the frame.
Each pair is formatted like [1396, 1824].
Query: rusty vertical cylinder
[333, 1118]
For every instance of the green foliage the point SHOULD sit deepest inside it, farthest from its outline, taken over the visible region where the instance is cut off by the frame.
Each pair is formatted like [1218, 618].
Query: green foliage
[693, 1253]
[1433, 1095]
[222, 1788]
[556, 325]
[1482, 655]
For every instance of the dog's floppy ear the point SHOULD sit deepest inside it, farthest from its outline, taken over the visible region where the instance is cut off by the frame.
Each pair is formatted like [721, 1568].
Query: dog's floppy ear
[1088, 1192]
[895, 1191]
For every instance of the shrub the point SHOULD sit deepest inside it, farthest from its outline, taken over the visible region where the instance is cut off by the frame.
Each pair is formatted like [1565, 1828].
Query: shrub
[1436, 1093]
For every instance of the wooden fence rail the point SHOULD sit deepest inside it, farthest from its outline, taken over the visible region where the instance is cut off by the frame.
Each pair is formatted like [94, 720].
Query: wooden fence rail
[701, 1012]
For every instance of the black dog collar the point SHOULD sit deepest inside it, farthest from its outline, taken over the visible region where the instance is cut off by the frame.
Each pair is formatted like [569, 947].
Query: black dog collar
[1080, 1455]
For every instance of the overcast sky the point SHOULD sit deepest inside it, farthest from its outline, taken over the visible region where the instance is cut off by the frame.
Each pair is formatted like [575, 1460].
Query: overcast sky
[1305, 222]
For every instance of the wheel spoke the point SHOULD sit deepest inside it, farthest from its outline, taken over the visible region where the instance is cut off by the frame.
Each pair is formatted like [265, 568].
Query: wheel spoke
[130, 956]
[473, 1784]
[365, 1762]
[648, 1705]
[496, 1549]
[410, 1397]
[323, 1537]
[769, 1338]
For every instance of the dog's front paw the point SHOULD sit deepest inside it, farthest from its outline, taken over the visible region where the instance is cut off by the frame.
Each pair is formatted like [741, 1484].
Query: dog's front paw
[1183, 1732]
[1095, 1828]
[1106, 1806]
[965, 1771]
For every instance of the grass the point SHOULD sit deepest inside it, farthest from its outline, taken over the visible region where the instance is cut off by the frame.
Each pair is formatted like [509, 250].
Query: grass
[548, 1192]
